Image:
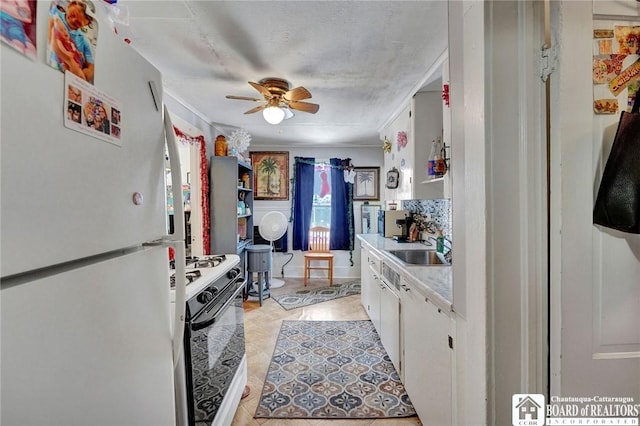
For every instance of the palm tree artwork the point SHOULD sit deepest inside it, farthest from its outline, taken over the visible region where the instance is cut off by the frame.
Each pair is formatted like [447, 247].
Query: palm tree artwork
[271, 175]
[364, 178]
[269, 166]
[366, 184]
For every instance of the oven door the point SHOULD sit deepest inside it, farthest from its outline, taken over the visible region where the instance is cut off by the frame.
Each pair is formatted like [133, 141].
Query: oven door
[214, 348]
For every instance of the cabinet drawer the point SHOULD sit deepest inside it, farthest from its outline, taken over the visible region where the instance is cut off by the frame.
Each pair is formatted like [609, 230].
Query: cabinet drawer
[374, 262]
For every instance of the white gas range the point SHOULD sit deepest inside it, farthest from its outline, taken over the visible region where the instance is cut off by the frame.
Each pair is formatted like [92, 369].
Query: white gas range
[212, 375]
[204, 270]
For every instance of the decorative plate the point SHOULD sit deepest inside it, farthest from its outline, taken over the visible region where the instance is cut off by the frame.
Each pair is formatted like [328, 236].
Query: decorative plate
[392, 178]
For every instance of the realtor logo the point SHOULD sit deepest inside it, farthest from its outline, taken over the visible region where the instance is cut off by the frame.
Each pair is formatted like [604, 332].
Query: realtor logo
[527, 409]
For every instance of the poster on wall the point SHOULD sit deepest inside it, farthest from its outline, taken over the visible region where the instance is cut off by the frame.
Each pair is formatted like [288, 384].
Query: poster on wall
[90, 111]
[19, 26]
[270, 175]
[72, 37]
[616, 66]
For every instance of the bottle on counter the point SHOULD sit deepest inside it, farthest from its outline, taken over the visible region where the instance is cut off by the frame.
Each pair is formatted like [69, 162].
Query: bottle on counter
[440, 166]
[245, 180]
[431, 162]
[413, 232]
[436, 165]
[440, 242]
[242, 208]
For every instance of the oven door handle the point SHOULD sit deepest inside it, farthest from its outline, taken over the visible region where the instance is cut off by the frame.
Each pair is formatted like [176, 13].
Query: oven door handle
[206, 323]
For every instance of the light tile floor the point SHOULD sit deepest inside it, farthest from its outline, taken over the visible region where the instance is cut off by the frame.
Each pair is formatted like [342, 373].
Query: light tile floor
[262, 325]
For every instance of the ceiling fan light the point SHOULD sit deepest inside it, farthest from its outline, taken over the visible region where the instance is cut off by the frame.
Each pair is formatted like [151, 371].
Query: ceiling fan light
[288, 113]
[273, 114]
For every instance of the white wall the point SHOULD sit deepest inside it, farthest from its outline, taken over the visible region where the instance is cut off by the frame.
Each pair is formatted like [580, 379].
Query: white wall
[192, 123]
[467, 76]
[516, 205]
[360, 157]
[195, 118]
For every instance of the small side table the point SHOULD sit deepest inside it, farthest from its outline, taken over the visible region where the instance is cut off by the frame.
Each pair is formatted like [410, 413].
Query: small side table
[259, 261]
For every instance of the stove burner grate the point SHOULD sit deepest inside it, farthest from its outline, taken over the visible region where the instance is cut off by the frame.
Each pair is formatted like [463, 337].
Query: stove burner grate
[190, 275]
[210, 262]
[201, 262]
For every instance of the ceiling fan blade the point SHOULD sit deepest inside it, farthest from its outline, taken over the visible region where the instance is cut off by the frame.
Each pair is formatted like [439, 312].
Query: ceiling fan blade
[256, 109]
[263, 90]
[304, 106]
[243, 98]
[297, 94]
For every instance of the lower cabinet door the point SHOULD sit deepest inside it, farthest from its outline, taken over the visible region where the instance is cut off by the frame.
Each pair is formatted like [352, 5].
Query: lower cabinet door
[390, 324]
[374, 302]
[365, 279]
[426, 369]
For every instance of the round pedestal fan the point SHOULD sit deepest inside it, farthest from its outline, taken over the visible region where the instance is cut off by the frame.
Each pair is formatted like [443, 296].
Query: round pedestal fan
[272, 227]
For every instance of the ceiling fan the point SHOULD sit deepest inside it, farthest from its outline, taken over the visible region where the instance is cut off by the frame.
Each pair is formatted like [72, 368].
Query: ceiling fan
[279, 99]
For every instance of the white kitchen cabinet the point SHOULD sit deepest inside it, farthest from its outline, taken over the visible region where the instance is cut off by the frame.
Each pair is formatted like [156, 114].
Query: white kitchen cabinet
[374, 304]
[427, 356]
[411, 134]
[390, 323]
[422, 120]
[365, 290]
[381, 303]
[412, 312]
[370, 285]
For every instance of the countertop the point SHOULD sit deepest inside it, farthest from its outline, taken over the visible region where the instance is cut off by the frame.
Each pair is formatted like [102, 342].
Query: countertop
[434, 282]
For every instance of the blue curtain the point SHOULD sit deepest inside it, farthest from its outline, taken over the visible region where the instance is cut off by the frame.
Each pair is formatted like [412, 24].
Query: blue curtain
[302, 201]
[341, 206]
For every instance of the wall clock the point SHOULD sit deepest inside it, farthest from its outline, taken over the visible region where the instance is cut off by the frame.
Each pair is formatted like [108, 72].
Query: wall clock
[392, 178]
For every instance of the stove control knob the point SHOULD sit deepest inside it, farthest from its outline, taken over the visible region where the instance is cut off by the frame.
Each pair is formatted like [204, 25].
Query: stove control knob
[233, 273]
[206, 296]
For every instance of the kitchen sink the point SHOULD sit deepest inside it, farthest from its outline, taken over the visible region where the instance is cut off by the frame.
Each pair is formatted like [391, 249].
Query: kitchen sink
[419, 257]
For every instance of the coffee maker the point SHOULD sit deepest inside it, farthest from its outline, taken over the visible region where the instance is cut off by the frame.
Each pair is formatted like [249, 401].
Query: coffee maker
[387, 225]
[404, 225]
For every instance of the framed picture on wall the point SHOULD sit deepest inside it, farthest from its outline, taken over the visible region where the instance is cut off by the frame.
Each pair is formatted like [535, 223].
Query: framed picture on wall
[270, 175]
[366, 186]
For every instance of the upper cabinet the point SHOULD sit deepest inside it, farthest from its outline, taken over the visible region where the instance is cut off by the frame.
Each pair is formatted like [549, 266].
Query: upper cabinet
[411, 134]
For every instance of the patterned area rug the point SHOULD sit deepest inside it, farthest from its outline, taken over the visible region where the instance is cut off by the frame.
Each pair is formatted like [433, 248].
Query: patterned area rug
[306, 297]
[332, 370]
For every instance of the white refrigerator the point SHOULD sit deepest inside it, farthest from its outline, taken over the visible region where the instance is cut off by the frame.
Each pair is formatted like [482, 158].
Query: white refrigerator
[86, 329]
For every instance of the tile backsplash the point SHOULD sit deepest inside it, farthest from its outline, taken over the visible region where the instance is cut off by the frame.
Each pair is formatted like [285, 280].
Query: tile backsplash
[439, 210]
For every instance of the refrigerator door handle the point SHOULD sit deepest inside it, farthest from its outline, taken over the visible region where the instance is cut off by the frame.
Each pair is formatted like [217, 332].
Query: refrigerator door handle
[177, 238]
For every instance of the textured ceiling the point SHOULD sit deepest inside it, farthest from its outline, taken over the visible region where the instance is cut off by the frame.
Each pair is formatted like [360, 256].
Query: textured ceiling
[361, 60]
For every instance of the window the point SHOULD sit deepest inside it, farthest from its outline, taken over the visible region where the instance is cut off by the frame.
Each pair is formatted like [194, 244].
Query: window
[322, 197]
[321, 210]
